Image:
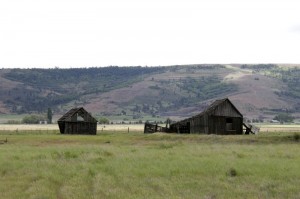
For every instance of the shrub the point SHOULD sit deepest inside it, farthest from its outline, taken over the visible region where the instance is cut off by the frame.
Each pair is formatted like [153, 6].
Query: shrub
[32, 119]
[284, 117]
[296, 137]
[103, 120]
[13, 122]
[232, 172]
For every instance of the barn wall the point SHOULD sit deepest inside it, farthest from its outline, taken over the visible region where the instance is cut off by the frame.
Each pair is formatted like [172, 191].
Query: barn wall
[217, 125]
[226, 109]
[192, 125]
[80, 128]
[182, 127]
[61, 126]
[198, 124]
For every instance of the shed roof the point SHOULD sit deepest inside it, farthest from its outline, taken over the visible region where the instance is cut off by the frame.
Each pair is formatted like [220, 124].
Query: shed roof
[79, 111]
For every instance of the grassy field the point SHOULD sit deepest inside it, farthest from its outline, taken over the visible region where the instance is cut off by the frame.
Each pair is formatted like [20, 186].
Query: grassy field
[45, 164]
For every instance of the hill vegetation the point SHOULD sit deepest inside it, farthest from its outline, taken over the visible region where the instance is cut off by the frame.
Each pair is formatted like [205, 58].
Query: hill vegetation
[261, 90]
[42, 88]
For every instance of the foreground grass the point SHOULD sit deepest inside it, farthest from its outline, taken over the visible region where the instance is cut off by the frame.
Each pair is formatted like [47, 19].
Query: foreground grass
[134, 165]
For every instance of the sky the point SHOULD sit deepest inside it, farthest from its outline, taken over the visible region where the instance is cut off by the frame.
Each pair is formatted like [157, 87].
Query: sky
[90, 33]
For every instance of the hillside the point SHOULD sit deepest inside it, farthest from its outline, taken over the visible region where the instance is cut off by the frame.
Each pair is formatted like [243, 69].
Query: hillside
[259, 91]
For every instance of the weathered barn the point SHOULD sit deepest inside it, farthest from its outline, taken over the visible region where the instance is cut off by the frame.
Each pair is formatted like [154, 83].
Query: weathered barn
[221, 117]
[77, 121]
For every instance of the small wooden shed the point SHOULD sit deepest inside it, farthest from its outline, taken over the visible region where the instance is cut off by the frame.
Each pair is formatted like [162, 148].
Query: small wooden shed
[77, 121]
[221, 117]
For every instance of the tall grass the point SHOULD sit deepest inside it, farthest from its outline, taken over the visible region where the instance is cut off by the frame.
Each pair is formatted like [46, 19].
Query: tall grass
[134, 165]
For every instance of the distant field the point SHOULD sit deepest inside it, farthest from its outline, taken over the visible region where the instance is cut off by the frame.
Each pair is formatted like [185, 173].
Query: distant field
[279, 127]
[51, 127]
[135, 165]
[135, 127]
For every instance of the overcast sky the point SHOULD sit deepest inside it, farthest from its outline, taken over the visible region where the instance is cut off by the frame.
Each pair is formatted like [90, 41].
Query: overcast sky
[85, 33]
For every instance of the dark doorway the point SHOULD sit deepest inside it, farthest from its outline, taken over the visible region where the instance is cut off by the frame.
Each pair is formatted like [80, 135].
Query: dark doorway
[185, 128]
[229, 124]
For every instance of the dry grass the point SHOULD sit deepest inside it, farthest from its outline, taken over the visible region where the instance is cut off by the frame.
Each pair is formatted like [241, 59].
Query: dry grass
[133, 127]
[279, 128]
[51, 127]
[121, 127]
[27, 127]
[134, 165]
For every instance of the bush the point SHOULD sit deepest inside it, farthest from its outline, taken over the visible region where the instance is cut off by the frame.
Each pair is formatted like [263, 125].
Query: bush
[232, 172]
[33, 119]
[296, 137]
[284, 117]
[103, 120]
[13, 122]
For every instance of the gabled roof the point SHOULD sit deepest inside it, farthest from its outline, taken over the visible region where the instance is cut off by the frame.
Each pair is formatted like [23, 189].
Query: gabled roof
[211, 108]
[77, 111]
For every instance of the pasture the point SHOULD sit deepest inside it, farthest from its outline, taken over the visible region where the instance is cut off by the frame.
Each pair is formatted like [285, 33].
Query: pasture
[41, 163]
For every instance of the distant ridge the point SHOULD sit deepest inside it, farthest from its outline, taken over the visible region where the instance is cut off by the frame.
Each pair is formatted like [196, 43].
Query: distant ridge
[259, 90]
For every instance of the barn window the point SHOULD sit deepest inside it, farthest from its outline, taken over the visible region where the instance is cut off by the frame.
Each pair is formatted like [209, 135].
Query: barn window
[229, 126]
[79, 118]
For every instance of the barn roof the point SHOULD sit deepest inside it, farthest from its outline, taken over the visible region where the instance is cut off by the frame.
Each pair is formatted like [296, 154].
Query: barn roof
[77, 111]
[211, 108]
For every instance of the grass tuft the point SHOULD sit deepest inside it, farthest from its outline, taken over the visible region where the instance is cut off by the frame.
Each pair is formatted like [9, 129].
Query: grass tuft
[165, 146]
[70, 155]
[296, 137]
[232, 172]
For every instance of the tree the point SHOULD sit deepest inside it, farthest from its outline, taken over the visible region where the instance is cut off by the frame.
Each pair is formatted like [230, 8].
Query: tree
[103, 120]
[284, 117]
[49, 115]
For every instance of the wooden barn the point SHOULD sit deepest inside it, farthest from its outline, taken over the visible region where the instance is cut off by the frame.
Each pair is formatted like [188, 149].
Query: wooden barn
[77, 121]
[221, 117]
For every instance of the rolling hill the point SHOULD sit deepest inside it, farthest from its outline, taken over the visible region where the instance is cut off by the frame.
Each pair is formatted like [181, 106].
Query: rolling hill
[259, 91]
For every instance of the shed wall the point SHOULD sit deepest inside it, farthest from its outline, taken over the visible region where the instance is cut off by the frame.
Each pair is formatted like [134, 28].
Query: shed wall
[80, 128]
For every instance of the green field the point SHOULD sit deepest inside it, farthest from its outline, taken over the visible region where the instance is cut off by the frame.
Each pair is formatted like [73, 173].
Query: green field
[45, 164]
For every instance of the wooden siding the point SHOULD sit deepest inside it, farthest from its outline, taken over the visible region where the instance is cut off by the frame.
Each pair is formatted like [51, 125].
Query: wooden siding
[226, 109]
[87, 128]
[218, 125]
[220, 118]
[199, 124]
[77, 121]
